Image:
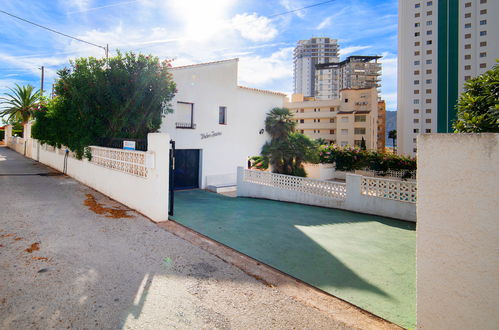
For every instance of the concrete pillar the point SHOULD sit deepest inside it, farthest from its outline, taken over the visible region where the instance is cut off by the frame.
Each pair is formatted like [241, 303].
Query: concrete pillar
[159, 144]
[353, 201]
[27, 139]
[27, 130]
[240, 185]
[457, 231]
[8, 134]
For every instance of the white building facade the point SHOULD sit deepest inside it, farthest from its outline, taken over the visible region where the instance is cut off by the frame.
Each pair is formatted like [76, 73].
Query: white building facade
[307, 54]
[442, 43]
[216, 124]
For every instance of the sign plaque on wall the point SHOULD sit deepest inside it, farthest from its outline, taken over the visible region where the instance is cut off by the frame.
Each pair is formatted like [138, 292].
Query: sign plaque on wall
[129, 145]
[209, 135]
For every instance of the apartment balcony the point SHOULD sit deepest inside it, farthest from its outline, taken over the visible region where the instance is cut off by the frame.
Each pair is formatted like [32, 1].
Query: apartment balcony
[312, 115]
[322, 125]
[185, 125]
[322, 135]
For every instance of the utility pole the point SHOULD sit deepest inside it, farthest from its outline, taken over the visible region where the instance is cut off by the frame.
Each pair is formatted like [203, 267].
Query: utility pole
[107, 52]
[41, 84]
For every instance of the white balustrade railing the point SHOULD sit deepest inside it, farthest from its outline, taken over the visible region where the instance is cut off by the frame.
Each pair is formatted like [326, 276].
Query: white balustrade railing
[403, 191]
[128, 161]
[411, 175]
[328, 189]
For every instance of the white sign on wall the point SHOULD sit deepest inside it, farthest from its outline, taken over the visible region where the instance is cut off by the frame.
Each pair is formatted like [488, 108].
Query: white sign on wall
[129, 145]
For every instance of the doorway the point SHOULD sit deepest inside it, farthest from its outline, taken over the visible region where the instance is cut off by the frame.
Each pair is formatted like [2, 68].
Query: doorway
[186, 169]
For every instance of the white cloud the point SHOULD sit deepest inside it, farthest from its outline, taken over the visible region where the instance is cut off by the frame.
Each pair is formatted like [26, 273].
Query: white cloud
[80, 5]
[352, 49]
[293, 5]
[325, 23]
[258, 70]
[84, 6]
[202, 20]
[31, 65]
[391, 101]
[255, 28]
[328, 20]
[389, 80]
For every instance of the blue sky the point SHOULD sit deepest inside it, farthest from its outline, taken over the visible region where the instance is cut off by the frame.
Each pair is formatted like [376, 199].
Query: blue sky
[193, 31]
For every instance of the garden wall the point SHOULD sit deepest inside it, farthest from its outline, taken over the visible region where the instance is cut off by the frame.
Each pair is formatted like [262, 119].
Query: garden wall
[377, 196]
[137, 179]
[458, 231]
[16, 143]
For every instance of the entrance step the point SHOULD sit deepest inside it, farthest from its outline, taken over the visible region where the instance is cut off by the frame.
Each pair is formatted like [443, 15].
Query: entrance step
[222, 188]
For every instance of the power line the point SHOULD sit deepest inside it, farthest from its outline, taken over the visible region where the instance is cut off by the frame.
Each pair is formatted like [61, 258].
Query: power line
[292, 11]
[52, 30]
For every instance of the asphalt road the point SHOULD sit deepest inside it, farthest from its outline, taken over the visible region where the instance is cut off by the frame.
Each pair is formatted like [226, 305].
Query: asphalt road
[72, 258]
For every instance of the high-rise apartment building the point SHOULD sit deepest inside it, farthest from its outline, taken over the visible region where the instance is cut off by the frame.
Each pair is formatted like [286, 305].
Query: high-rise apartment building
[442, 43]
[307, 54]
[354, 72]
[345, 120]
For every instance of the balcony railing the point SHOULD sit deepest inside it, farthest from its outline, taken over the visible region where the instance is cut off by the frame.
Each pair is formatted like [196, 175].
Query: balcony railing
[185, 125]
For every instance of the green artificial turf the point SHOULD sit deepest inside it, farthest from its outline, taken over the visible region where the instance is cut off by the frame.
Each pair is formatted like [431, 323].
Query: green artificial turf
[369, 261]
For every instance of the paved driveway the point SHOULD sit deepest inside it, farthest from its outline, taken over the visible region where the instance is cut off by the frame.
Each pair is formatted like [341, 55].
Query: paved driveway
[68, 259]
[366, 260]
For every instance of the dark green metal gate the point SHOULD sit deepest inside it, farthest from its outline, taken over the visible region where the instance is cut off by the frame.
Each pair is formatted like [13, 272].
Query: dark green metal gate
[186, 170]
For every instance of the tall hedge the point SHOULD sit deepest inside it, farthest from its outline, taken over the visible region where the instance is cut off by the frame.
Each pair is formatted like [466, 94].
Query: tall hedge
[349, 159]
[123, 97]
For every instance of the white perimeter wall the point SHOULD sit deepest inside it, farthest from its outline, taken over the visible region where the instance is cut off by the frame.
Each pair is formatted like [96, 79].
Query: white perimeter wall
[297, 190]
[148, 195]
[458, 231]
[210, 86]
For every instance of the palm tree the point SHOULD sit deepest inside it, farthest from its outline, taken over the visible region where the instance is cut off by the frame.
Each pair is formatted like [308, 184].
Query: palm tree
[301, 149]
[279, 123]
[287, 150]
[393, 135]
[20, 103]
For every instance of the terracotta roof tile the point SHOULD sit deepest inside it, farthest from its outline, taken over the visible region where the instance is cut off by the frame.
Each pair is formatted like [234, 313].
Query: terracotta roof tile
[262, 90]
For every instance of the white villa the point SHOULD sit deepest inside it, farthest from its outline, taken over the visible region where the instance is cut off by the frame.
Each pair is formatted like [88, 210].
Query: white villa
[216, 124]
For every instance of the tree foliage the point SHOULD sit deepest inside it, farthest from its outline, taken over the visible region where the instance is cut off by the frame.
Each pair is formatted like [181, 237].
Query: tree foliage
[287, 150]
[123, 97]
[478, 105]
[20, 104]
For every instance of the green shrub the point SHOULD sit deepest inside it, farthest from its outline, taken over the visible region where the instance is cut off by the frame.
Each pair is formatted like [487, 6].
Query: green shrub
[478, 105]
[123, 97]
[350, 159]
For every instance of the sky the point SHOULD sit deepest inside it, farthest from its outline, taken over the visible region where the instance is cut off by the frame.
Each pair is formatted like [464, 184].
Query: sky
[195, 31]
